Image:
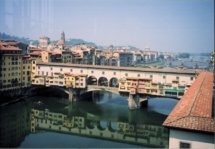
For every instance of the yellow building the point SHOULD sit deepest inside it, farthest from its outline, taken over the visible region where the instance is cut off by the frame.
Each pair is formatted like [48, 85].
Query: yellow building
[46, 56]
[15, 68]
[75, 80]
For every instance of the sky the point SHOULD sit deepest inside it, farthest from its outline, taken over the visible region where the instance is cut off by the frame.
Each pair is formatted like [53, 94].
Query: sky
[162, 25]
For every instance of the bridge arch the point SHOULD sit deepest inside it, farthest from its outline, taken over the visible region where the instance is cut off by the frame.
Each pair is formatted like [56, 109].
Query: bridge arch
[52, 91]
[112, 126]
[102, 125]
[92, 80]
[114, 82]
[103, 81]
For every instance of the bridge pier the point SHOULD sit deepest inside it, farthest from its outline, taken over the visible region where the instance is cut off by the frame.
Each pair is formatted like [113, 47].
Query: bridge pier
[133, 101]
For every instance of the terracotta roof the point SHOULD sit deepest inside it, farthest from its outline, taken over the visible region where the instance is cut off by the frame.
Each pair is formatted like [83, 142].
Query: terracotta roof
[194, 110]
[13, 42]
[60, 42]
[35, 53]
[8, 48]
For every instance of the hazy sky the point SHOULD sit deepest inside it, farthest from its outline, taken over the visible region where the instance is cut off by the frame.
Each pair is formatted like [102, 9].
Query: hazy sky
[163, 25]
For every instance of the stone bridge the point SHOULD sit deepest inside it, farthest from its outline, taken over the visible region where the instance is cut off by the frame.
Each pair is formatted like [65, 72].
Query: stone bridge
[183, 61]
[134, 101]
[107, 78]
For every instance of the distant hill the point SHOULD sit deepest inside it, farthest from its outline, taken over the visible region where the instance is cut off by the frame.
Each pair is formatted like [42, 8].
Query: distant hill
[68, 42]
[28, 41]
[200, 54]
[78, 41]
[119, 47]
[20, 39]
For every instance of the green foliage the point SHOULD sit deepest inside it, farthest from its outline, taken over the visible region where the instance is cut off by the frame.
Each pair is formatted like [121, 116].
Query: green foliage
[22, 39]
[161, 56]
[184, 55]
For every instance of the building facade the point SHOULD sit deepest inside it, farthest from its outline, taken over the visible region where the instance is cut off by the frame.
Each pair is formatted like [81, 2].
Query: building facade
[15, 71]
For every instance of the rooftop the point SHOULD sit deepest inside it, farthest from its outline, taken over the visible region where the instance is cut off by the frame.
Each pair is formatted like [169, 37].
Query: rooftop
[9, 48]
[194, 110]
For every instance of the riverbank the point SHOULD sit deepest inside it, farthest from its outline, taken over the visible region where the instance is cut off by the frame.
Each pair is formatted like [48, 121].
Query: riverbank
[11, 101]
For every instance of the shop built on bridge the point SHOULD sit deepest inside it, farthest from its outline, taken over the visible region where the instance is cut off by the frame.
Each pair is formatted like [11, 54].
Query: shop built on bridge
[136, 82]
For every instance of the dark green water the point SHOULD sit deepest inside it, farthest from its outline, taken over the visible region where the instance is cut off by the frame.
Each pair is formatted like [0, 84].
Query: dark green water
[102, 122]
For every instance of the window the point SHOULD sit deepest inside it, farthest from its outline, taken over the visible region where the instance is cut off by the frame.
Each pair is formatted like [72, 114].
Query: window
[51, 68]
[177, 78]
[151, 76]
[191, 78]
[114, 73]
[33, 62]
[23, 67]
[138, 75]
[70, 70]
[81, 71]
[103, 72]
[61, 69]
[38, 67]
[38, 72]
[164, 77]
[33, 68]
[47, 73]
[185, 145]
[126, 74]
[92, 71]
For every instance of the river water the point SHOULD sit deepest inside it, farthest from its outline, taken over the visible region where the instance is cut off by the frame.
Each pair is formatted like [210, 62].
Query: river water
[96, 120]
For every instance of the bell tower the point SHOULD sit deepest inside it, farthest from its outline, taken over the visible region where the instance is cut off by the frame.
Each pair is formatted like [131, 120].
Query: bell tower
[63, 36]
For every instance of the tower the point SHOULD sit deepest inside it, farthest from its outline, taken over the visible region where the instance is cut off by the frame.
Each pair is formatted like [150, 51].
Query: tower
[111, 55]
[63, 36]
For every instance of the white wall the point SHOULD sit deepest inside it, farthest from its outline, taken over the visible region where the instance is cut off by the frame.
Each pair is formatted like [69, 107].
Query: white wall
[109, 73]
[197, 140]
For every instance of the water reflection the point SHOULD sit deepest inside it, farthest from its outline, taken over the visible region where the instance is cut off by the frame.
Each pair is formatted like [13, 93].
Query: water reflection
[102, 119]
[14, 124]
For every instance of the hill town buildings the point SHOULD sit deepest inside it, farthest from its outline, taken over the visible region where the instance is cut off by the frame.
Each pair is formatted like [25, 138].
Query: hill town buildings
[91, 55]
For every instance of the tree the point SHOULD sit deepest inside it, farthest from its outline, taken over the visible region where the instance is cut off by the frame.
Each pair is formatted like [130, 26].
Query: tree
[184, 55]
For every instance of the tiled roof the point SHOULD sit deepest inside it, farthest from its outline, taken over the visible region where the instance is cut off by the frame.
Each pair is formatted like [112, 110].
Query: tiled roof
[8, 48]
[194, 110]
[35, 53]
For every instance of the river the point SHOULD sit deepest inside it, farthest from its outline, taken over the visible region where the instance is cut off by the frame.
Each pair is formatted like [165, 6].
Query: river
[99, 121]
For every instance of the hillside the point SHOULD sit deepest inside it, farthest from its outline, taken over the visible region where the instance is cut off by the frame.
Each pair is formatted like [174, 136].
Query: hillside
[68, 42]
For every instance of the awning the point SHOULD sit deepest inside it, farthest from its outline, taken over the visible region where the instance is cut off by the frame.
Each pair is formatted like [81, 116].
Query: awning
[181, 91]
[169, 90]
